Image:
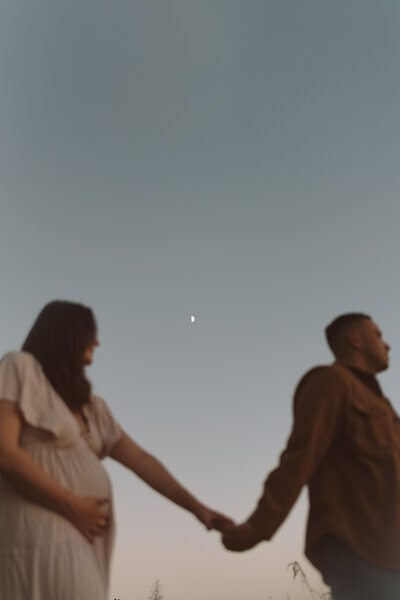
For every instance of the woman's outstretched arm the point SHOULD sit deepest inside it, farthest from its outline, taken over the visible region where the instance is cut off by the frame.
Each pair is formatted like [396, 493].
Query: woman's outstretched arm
[89, 515]
[149, 468]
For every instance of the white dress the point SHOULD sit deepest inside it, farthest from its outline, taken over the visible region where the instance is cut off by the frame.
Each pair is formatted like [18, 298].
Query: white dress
[43, 556]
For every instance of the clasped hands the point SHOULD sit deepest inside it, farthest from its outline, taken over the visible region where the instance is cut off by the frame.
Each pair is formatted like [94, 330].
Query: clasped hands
[239, 538]
[236, 538]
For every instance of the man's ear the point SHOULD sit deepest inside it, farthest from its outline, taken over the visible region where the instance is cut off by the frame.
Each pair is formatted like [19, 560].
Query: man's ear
[354, 339]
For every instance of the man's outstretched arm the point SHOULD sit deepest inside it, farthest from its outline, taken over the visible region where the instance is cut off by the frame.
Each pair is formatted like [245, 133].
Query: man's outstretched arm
[318, 412]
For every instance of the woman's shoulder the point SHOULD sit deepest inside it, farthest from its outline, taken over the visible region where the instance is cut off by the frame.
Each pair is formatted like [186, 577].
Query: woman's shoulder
[97, 402]
[99, 408]
[18, 357]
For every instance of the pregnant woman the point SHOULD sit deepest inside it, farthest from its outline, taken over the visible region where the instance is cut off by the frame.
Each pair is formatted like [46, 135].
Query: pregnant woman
[56, 508]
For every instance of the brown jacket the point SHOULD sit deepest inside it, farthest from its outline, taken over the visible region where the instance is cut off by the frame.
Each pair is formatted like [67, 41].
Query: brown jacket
[345, 445]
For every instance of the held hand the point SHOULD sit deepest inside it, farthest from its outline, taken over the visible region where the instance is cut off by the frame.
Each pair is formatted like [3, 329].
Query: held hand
[213, 520]
[91, 516]
[241, 537]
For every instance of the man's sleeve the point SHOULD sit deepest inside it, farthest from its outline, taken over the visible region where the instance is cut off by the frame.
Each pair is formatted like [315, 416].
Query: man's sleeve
[318, 412]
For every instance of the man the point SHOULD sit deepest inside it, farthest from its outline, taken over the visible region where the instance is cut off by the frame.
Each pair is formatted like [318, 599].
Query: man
[345, 446]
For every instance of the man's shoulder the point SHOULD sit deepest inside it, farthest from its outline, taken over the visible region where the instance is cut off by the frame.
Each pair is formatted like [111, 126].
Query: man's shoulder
[324, 375]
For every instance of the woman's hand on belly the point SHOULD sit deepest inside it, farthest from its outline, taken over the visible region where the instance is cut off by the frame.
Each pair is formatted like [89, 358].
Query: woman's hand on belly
[91, 516]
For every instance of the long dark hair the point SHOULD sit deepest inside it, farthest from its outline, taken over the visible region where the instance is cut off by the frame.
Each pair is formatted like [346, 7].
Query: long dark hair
[58, 339]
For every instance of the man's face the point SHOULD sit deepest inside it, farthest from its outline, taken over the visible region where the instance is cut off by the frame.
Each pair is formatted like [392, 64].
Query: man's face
[373, 348]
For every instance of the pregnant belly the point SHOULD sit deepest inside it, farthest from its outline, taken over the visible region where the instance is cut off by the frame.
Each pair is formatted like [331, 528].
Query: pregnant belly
[75, 468]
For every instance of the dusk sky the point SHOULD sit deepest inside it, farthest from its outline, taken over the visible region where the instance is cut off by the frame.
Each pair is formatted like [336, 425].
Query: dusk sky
[237, 161]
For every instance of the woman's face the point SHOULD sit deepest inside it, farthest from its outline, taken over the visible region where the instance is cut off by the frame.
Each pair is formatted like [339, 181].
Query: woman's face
[89, 352]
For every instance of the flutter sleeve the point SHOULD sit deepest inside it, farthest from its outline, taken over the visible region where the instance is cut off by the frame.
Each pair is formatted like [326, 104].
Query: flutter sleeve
[23, 382]
[109, 429]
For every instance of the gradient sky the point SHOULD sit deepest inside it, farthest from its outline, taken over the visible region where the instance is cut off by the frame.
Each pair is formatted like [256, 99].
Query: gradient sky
[234, 160]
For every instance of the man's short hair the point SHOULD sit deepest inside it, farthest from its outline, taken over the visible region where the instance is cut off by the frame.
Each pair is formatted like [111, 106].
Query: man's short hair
[336, 331]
